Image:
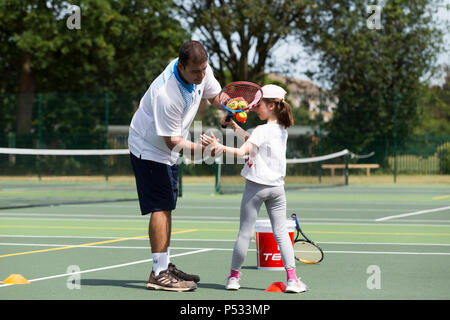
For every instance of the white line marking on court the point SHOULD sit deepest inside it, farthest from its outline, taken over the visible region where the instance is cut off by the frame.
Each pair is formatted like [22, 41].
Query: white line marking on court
[387, 243]
[413, 213]
[230, 249]
[193, 240]
[90, 237]
[225, 220]
[191, 248]
[107, 268]
[391, 252]
[62, 237]
[111, 247]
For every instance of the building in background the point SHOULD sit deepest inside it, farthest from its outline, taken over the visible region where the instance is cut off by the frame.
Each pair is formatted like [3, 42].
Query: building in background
[306, 94]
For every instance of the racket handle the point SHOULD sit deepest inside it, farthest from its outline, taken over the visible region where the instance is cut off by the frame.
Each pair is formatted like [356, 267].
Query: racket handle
[297, 224]
[227, 119]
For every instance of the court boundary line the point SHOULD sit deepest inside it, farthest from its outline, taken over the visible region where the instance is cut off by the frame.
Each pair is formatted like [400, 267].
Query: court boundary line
[210, 240]
[250, 249]
[87, 244]
[415, 213]
[104, 268]
[370, 222]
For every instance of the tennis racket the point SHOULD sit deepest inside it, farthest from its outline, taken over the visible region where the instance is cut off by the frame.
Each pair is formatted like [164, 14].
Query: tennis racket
[305, 250]
[239, 96]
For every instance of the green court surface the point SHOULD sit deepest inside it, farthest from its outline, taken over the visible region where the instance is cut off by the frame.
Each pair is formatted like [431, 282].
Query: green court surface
[380, 242]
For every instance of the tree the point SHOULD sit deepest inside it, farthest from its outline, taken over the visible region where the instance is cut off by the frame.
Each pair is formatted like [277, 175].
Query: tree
[239, 34]
[121, 46]
[369, 68]
[435, 111]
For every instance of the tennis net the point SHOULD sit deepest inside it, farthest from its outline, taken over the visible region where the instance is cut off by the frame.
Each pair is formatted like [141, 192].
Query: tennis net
[322, 171]
[45, 177]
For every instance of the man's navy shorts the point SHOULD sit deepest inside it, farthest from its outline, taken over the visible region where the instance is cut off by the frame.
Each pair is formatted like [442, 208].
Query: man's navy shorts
[156, 183]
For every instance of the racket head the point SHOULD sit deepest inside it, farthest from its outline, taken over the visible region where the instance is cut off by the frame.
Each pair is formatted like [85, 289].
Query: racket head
[307, 252]
[246, 91]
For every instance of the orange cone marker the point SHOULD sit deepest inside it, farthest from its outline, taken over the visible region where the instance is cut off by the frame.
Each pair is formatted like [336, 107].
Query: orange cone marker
[276, 287]
[16, 279]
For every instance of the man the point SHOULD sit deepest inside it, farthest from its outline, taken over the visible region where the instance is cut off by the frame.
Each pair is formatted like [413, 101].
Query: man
[158, 132]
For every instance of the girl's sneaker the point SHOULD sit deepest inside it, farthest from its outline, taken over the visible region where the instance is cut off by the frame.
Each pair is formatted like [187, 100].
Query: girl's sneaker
[295, 286]
[232, 284]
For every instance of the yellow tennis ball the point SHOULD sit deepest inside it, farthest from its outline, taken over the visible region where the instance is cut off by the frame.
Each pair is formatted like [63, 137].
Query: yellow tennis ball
[233, 105]
[243, 104]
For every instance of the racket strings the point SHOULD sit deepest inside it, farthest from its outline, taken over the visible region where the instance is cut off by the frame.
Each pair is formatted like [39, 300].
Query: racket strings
[248, 92]
[307, 252]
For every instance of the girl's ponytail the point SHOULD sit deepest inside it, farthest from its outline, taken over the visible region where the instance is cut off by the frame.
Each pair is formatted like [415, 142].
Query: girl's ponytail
[283, 113]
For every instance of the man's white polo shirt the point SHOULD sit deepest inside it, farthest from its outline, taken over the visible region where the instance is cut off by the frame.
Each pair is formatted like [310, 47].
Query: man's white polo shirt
[167, 109]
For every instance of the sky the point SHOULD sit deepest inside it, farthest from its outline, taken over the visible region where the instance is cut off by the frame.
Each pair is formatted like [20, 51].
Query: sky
[284, 51]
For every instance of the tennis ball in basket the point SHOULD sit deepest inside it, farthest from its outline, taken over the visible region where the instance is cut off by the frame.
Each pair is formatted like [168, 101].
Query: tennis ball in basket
[241, 117]
[233, 105]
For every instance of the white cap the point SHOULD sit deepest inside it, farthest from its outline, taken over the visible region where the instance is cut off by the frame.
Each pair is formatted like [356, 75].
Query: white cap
[273, 91]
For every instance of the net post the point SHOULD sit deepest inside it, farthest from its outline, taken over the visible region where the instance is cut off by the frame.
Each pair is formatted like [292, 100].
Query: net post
[39, 142]
[217, 168]
[106, 133]
[395, 136]
[320, 133]
[12, 144]
[346, 171]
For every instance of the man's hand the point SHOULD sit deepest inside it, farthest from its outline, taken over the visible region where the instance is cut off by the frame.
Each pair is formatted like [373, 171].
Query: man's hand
[183, 146]
[212, 144]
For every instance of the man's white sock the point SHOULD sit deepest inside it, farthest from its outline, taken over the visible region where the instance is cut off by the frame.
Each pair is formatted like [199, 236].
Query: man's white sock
[168, 255]
[160, 262]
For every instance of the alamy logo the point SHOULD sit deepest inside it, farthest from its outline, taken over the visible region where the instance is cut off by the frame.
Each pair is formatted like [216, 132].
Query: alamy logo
[74, 20]
[374, 20]
[74, 279]
[374, 280]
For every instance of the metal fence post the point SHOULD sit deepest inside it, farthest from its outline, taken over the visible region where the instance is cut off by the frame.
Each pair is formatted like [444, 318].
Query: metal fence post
[395, 135]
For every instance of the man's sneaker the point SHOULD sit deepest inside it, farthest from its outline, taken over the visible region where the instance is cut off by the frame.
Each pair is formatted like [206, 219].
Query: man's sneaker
[295, 286]
[232, 284]
[166, 280]
[182, 275]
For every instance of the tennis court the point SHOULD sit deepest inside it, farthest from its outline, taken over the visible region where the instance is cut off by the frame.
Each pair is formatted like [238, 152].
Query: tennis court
[380, 242]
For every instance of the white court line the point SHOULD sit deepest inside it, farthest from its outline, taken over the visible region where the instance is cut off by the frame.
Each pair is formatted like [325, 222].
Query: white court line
[413, 213]
[192, 240]
[231, 249]
[392, 252]
[106, 268]
[308, 221]
[228, 249]
[106, 247]
[387, 243]
[90, 237]
[95, 215]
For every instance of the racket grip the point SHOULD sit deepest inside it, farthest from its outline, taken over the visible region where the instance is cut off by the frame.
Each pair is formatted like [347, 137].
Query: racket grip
[227, 119]
[297, 224]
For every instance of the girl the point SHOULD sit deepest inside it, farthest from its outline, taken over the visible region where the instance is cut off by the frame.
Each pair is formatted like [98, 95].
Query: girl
[264, 172]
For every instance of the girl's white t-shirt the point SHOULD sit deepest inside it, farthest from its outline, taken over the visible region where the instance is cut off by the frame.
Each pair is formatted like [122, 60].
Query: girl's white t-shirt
[266, 163]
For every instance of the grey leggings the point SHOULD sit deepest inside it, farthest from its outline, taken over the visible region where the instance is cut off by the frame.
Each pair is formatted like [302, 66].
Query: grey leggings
[275, 200]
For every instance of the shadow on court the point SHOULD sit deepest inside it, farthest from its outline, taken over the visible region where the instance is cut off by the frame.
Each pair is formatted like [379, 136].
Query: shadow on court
[139, 284]
[134, 284]
[221, 286]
